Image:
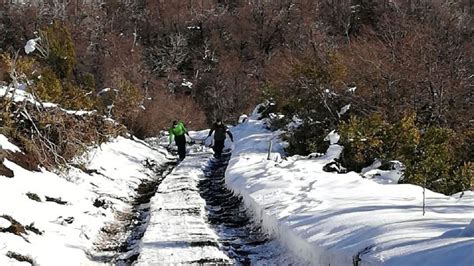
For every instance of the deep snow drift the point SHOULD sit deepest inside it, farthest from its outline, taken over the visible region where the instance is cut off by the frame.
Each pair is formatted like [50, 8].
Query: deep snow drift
[339, 219]
[85, 202]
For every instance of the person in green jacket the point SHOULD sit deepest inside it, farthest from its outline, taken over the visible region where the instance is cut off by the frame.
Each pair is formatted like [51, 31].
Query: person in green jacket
[177, 132]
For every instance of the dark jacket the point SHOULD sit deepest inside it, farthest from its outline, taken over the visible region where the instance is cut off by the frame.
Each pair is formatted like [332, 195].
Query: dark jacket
[220, 131]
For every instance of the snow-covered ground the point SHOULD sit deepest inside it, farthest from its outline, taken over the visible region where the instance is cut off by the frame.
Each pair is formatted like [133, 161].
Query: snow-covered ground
[70, 230]
[324, 218]
[337, 219]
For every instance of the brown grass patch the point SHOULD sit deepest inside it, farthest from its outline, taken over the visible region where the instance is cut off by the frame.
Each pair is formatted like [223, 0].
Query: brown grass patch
[15, 227]
[5, 171]
[26, 161]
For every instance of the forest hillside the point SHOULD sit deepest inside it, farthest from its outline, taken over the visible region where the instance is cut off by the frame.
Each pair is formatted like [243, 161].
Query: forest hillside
[394, 78]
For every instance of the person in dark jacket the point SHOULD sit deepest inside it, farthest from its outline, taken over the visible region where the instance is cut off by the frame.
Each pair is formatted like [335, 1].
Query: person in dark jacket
[220, 131]
[177, 132]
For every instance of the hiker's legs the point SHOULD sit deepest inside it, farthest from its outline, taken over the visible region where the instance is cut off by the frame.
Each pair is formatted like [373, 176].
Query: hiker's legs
[218, 147]
[181, 143]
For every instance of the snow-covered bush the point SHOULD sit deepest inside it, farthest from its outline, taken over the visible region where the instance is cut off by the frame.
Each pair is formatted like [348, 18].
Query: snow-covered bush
[308, 95]
[307, 138]
[434, 157]
[53, 56]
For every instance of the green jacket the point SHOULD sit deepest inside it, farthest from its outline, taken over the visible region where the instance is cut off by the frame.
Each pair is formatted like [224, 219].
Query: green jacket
[177, 130]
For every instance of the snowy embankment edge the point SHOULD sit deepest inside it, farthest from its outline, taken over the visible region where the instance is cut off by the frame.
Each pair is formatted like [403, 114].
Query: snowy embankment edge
[299, 246]
[268, 193]
[236, 182]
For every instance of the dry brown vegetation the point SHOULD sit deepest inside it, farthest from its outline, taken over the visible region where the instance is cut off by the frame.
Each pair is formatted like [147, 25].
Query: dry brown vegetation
[52, 137]
[406, 58]
[398, 53]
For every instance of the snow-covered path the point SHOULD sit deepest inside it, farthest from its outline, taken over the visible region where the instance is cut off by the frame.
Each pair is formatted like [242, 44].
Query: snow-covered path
[185, 228]
[178, 231]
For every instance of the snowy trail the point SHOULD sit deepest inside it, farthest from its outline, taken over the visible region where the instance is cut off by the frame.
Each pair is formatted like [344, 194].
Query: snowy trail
[195, 219]
[178, 232]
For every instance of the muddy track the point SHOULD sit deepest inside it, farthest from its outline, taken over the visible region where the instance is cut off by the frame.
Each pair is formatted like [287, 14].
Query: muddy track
[240, 237]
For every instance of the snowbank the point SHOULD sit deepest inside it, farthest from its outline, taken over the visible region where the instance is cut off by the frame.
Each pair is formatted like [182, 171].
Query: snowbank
[339, 219]
[65, 209]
